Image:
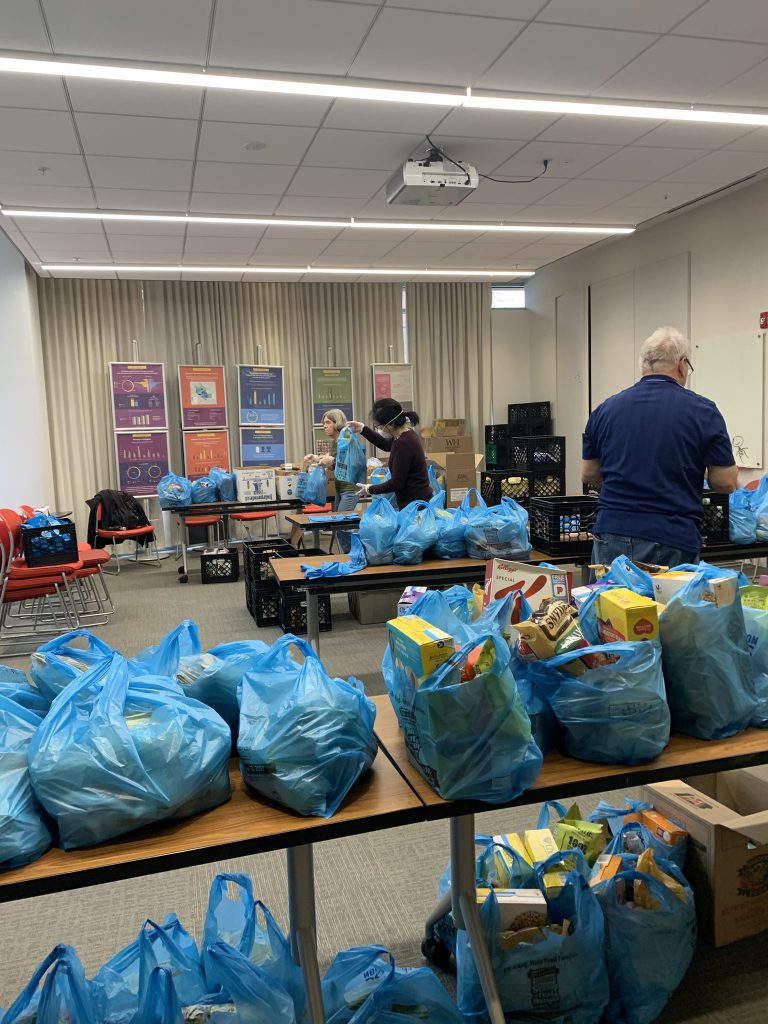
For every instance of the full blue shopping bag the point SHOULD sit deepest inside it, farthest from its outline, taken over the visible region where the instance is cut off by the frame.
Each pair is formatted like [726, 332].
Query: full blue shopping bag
[116, 752]
[436, 483]
[166, 658]
[24, 835]
[416, 533]
[760, 505]
[311, 486]
[706, 659]
[56, 663]
[616, 711]
[351, 978]
[378, 528]
[305, 738]
[500, 532]
[225, 483]
[756, 623]
[452, 525]
[380, 475]
[174, 491]
[257, 997]
[158, 1001]
[14, 686]
[742, 519]
[614, 816]
[648, 950]
[470, 739]
[64, 996]
[204, 491]
[632, 838]
[409, 997]
[461, 601]
[220, 677]
[351, 465]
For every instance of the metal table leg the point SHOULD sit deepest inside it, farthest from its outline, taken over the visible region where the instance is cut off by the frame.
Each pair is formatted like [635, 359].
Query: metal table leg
[313, 620]
[463, 883]
[316, 538]
[301, 909]
[183, 528]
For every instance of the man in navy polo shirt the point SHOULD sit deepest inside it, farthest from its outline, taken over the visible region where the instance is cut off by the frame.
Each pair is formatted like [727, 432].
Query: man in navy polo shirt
[648, 450]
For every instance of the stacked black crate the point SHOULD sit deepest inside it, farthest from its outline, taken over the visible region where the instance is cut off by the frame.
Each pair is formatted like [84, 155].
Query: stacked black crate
[529, 460]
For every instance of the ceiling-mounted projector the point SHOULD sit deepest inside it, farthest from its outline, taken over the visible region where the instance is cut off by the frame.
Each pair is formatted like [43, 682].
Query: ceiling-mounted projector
[431, 182]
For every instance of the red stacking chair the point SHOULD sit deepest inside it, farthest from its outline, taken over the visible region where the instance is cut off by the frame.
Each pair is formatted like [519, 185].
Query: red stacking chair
[254, 517]
[114, 536]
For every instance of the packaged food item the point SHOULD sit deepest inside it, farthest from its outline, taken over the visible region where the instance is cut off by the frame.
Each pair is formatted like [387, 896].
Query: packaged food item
[518, 908]
[408, 599]
[509, 940]
[606, 866]
[537, 582]
[571, 832]
[514, 842]
[540, 844]
[624, 615]
[552, 630]
[666, 831]
[720, 592]
[477, 600]
[419, 647]
[646, 865]
[478, 661]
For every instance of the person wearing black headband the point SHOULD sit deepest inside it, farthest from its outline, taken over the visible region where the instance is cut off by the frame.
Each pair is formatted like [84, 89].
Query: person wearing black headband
[407, 462]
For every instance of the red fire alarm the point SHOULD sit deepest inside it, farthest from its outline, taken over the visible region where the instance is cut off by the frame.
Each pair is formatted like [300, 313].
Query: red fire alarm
[764, 321]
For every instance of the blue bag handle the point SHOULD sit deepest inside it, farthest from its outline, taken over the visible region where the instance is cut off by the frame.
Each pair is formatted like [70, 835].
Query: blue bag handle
[245, 893]
[667, 898]
[437, 501]
[480, 506]
[374, 953]
[61, 954]
[580, 868]
[277, 939]
[158, 1000]
[500, 661]
[288, 640]
[546, 807]
[94, 642]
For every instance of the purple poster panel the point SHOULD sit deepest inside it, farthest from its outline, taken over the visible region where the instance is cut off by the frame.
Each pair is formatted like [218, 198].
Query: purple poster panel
[138, 396]
[142, 461]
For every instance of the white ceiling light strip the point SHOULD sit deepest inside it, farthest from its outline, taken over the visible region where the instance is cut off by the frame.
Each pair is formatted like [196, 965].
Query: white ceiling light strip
[209, 79]
[92, 268]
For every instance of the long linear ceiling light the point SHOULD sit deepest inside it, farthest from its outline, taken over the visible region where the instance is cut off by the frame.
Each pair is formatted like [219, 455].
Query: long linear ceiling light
[206, 79]
[292, 222]
[91, 268]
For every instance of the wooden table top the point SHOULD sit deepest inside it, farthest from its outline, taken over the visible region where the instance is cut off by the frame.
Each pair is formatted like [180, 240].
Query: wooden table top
[243, 826]
[330, 520]
[563, 776]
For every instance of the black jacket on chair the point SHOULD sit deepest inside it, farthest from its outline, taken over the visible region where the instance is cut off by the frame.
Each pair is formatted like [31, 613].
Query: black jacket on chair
[119, 511]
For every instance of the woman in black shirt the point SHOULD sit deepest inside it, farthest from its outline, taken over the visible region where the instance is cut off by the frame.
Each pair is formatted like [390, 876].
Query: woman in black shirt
[407, 462]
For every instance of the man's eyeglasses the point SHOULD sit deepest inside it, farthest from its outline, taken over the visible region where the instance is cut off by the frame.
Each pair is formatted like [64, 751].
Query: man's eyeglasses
[689, 364]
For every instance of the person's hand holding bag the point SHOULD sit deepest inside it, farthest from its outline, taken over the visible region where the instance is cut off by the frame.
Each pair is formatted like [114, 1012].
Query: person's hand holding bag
[355, 426]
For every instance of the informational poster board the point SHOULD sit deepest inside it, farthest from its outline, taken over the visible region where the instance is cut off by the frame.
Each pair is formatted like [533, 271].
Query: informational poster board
[331, 388]
[262, 446]
[204, 449]
[261, 398]
[203, 397]
[393, 380]
[138, 396]
[142, 461]
[321, 443]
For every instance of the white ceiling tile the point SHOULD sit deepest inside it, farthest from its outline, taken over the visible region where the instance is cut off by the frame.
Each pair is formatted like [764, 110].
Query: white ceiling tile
[42, 131]
[545, 212]
[122, 245]
[260, 179]
[23, 28]
[33, 91]
[157, 201]
[242, 247]
[509, 194]
[755, 142]
[148, 275]
[379, 209]
[26, 169]
[308, 36]
[608, 131]
[143, 229]
[139, 173]
[372, 248]
[365, 150]
[557, 59]
[665, 195]
[736, 19]
[414, 118]
[584, 192]
[473, 250]
[695, 136]
[724, 166]
[172, 31]
[677, 69]
[747, 89]
[240, 231]
[494, 124]
[648, 16]
[291, 234]
[51, 196]
[339, 183]
[54, 226]
[300, 250]
[319, 206]
[550, 251]
[416, 46]
[255, 108]
[566, 159]
[492, 212]
[214, 259]
[134, 99]
[643, 163]
[118, 135]
[333, 261]
[72, 252]
[234, 203]
[57, 241]
[628, 215]
[224, 141]
[485, 154]
[521, 9]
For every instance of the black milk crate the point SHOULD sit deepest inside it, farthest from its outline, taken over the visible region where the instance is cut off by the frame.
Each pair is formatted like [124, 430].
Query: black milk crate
[221, 567]
[536, 452]
[715, 522]
[293, 612]
[256, 558]
[496, 433]
[266, 607]
[496, 456]
[520, 485]
[562, 525]
[529, 418]
[49, 545]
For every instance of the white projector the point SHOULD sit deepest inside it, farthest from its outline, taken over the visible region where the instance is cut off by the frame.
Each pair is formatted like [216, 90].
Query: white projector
[431, 183]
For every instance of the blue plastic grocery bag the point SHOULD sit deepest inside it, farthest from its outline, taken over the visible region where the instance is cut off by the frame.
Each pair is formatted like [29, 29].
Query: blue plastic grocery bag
[354, 563]
[633, 837]
[706, 660]
[158, 1002]
[116, 752]
[470, 739]
[204, 491]
[545, 727]
[64, 996]
[759, 503]
[461, 601]
[55, 664]
[174, 491]
[351, 465]
[381, 475]
[220, 675]
[500, 532]
[378, 528]
[409, 997]
[257, 996]
[305, 738]
[436, 483]
[556, 976]
[351, 978]
[648, 950]
[416, 533]
[24, 835]
[165, 658]
[14, 686]
[756, 623]
[742, 519]
[225, 483]
[311, 486]
[615, 713]
[434, 608]
[615, 815]
[452, 524]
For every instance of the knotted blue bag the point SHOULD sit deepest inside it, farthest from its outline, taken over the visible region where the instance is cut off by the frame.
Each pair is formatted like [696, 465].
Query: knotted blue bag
[756, 623]
[311, 486]
[24, 835]
[351, 978]
[180, 644]
[351, 464]
[742, 519]
[256, 996]
[64, 996]
[378, 528]
[174, 491]
[218, 682]
[409, 997]
[615, 815]
[416, 533]
[55, 664]
[470, 740]
[617, 713]
[500, 532]
[648, 951]
[305, 738]
[204, 491]
[706, 661]
[226, 483]
[115, 753]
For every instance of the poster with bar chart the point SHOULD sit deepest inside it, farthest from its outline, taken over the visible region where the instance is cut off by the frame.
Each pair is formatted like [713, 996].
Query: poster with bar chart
[204, 449]
[260, 395]
[393, 380]
[138, 396]
[142, 460]
[262, 446]
[331, 388]
[203, 395]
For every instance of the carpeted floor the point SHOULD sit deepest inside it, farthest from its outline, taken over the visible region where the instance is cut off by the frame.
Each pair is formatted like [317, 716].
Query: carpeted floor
[376, 888]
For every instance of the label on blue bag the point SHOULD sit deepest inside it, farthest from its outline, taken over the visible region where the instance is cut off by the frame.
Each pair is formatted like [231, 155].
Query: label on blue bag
[258, 769]
[632, 709]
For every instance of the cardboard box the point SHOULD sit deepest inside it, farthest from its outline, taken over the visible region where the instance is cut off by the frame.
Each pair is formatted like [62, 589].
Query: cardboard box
[721, 592]
[540, 844]
[286, 484]
[439, 444]
[536, 583]
[514, 842]
[726, 816]
[418, 646]
[606, 866]
[624, 615]
[518, 908]
[408, 599]
[460, 472]
[254, 485]
[371, 606]
[449, 428]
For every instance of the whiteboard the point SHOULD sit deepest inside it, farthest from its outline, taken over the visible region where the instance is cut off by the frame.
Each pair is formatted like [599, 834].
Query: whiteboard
[729, 370]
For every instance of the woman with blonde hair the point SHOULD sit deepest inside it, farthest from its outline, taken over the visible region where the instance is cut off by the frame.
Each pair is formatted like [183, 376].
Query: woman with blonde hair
[334, 422]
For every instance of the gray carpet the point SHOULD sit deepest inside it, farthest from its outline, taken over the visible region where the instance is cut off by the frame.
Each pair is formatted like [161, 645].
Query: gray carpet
[376, 888]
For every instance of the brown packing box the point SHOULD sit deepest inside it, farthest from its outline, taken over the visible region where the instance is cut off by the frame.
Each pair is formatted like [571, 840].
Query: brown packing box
[449, 428]
[461, 444]
[726, 816]
[460, 474]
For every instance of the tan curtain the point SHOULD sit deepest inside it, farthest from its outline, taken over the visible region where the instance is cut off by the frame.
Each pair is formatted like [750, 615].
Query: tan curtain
[449, 344]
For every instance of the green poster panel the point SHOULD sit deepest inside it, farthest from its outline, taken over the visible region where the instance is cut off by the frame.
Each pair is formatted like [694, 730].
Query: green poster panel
[331, 388]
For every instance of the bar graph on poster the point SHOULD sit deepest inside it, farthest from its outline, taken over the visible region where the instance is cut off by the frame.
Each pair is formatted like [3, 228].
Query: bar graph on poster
[142, 460]
[138, 396]
[260, 395]
[204, 450]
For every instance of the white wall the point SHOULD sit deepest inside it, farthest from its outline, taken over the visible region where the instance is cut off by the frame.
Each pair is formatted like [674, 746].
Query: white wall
[728, 251]
[25, 454]
[510, 340]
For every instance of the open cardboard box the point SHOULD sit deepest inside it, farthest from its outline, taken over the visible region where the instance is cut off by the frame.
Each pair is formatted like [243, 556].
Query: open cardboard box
[726, 815]
[456, 443]
[460, 472]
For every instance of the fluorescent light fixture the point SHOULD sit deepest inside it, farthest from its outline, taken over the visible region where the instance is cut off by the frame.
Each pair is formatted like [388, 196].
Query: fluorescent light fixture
[352, 223]
[91, 268]
[212, 79]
